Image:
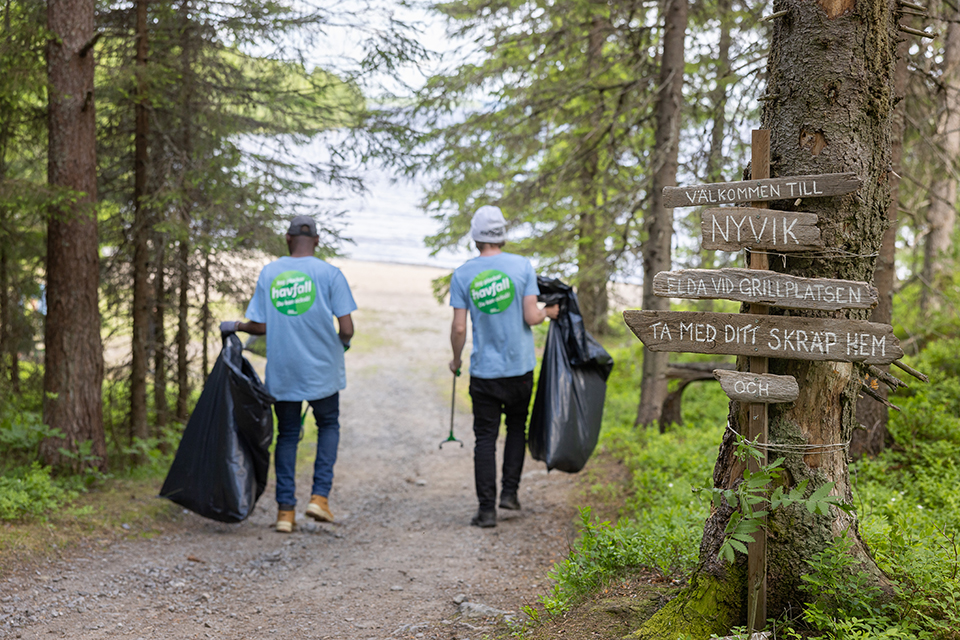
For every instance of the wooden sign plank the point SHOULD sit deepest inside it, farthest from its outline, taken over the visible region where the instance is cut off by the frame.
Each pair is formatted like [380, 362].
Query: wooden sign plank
[765, 336]
[735, 228]
[765, 287]
[764, 388]
[789, 188]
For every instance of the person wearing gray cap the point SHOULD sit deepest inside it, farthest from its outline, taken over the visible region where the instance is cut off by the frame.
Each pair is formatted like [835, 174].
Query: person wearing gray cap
[500, 291]
[294, 304]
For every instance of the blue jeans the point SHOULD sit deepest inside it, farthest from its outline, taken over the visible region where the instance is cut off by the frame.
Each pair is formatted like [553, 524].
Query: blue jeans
[326, 412]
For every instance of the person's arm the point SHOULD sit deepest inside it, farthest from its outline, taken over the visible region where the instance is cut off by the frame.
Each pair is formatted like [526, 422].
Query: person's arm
[345, 323]
[458, 337]
[533, 314]
[253, 328]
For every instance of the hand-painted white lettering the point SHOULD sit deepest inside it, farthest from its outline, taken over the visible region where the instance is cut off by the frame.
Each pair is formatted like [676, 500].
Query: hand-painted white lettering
[738, 224]
[790, 184]
[789, 230]
[774, 335]
[879, 342]
[716, 227]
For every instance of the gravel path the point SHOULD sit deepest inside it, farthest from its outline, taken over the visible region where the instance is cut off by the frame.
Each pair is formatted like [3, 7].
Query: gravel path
[401, 561]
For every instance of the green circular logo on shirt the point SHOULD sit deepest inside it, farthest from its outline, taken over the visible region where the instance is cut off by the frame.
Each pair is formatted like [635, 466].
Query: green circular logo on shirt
[492, 291]
[292, 293]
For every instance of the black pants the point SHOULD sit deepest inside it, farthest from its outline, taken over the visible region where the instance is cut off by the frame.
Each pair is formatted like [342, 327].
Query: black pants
[491, 398]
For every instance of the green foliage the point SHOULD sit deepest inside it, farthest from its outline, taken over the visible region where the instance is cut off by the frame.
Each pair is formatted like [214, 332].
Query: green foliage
[21, 432]
[30, 491]
[753, 501]
[601, 552]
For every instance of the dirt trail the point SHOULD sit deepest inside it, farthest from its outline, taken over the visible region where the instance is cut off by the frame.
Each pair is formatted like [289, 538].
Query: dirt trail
[397, 563]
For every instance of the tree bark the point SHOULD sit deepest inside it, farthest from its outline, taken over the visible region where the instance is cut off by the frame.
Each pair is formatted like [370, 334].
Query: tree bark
[205, 316]
[141, 236]
[941, 212]
[5, 333]
[161, 410]
[830, 78]
[73, 371]
[183, 262]
[871, 414]
[183, 332]
[718, 96]
[592, 270]
[658, 223]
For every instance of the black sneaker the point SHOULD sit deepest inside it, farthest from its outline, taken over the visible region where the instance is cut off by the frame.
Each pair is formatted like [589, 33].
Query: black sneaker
[509, 501]
[485, 519]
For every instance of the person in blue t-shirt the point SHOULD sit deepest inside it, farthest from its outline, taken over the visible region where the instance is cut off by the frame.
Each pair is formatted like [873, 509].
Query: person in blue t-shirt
[295, 302]
[500, 291]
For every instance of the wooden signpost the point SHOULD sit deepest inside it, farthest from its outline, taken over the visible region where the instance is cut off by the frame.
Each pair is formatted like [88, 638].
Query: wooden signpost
[762, 189]
[756, 334]
[744, 334]
[769, 288]
[764, 388]
[735, 228]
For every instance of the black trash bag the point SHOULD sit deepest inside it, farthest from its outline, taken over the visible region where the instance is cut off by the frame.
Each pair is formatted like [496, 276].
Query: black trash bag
[568, 408]
[221, 465]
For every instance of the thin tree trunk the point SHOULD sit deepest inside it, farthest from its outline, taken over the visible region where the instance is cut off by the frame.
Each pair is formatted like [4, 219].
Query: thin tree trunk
[872, 415]
[73, 371]
[942, 213]
[831, 114]
[205, 315]
[186, 100]
[9, 337]
[5, 333]
[718, 96]
[658, 223]
[141, 235]
[718, 104]
[159, 337]
[592, 271]
[183, 332]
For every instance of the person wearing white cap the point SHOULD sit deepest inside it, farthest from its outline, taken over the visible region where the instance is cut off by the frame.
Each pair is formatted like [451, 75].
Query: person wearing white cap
[500, 291]
[295, 302]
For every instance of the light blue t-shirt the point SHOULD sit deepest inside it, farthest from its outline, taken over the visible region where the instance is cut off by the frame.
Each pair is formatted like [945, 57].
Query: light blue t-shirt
[492, 288]
[297, 299]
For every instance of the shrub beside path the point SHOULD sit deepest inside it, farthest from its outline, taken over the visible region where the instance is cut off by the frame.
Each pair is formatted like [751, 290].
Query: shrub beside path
[401, 561]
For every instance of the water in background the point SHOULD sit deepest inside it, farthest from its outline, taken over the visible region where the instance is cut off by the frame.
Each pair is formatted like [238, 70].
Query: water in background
[387, 225]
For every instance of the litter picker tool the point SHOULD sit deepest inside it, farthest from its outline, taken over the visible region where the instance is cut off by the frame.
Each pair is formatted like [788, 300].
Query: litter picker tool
[453, 405]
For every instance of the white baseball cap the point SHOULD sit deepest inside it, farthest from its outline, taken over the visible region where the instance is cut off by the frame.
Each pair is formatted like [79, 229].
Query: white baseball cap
[488, 225]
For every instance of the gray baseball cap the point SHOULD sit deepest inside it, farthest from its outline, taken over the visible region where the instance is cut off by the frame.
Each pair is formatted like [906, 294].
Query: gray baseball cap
[488, 225]
[303, 226]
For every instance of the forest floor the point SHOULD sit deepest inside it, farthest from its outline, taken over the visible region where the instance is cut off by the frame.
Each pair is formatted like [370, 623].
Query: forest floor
[401, 560]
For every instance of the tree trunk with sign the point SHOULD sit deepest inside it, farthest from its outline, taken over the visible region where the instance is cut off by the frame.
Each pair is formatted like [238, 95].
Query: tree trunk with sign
[828, 107]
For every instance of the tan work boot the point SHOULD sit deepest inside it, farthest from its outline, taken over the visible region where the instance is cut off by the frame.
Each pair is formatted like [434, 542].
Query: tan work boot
[286, 520]
[319, 509]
